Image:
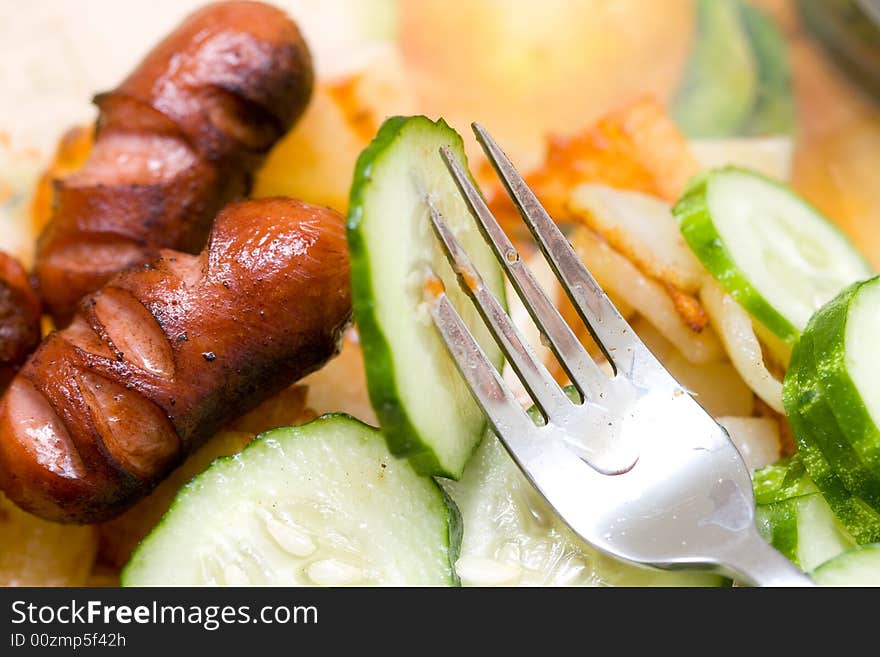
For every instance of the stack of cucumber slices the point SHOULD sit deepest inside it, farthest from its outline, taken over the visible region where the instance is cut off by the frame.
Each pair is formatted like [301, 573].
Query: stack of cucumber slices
[802, 281]
[337, 502]
[832, 399]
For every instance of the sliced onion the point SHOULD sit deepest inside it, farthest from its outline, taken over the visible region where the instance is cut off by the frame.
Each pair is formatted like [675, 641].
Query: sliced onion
[718, 387]
[737, 333]
[642, 228]
[621, 278]
[523, 322]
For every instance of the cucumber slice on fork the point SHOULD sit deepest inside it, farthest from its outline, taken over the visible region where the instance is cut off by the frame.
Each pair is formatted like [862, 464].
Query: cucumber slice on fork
[424, 407]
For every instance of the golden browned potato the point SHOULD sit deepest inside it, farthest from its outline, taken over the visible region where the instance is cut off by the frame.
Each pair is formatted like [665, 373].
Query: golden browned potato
[122, 534]
[36, 552]
[341, 385]
[315, 161]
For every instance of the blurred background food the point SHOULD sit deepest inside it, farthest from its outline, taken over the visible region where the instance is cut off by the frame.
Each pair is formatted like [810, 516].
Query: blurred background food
[576, 90]
[525, 69]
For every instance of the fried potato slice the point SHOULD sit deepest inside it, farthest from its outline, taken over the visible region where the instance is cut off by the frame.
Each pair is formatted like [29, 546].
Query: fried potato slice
[284, 409]
[36, 552]
[717, 386]
[756, 438]
[315, 161]
[341, 385]
[119, 537]
[71, 153]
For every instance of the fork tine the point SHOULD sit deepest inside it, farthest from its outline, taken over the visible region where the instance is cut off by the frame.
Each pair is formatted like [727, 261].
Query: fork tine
[578, 364]
[505, 415]
[535, 377]
[614, 336]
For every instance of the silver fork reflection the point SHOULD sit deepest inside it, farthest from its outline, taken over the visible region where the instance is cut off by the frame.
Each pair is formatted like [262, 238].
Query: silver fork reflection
[638, 469]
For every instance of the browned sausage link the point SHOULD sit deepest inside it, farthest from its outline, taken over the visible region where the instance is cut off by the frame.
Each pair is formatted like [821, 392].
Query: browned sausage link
[19, 318]
[177, 140]
[163, 355]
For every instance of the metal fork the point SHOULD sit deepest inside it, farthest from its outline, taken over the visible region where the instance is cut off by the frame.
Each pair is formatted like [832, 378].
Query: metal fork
[638, 469]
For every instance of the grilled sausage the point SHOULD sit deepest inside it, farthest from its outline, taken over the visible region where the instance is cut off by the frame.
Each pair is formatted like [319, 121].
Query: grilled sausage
[19, 317]
[177, 140]
[163, 355]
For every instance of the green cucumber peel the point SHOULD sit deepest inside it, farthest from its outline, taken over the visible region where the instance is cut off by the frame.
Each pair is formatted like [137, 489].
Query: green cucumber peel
[817, 410]
[199, 529]
[814, 444]
[838, 261]
[829, 332]
[777, 522]
[782, 481]
[437, 428]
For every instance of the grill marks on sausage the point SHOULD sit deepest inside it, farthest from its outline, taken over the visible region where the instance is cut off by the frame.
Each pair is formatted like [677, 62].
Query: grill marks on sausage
[107, 406]
[137, 435]
[179, 138]
[133, 332]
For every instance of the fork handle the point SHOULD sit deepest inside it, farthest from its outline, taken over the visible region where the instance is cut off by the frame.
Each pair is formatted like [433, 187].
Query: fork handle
[756, 562]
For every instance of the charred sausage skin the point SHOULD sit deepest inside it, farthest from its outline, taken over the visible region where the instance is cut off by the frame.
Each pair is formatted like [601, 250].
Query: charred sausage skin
[176, 141]
[20, 311]
[165, 354]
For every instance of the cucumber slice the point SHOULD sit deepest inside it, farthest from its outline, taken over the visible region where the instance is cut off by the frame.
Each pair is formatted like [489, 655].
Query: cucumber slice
[810, 452]
[794, 517]
[823, 449]
[820, 535]
[324, 503]
[816, 407]
[782, 481]
[768, 248]
[858, 566]
[513, 538]
[845, 343]
[423, 405]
